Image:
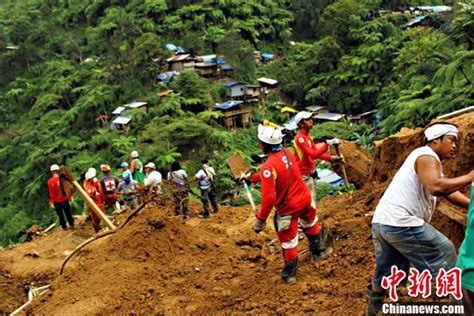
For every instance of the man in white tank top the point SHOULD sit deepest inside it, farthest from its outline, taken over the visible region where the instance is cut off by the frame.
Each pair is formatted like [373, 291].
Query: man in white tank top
[401, 231]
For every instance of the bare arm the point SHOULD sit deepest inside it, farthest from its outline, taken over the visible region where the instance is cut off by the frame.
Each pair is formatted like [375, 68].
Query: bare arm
[428, 170]
[459, 199]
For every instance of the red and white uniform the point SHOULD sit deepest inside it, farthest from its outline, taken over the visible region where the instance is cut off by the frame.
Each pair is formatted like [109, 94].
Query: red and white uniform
[94, 189]
[58, 194]
[278, 178]
[306, 151]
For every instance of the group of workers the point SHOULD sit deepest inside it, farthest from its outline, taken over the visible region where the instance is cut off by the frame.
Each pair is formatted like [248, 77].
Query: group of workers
[401, 231]
[106, 191]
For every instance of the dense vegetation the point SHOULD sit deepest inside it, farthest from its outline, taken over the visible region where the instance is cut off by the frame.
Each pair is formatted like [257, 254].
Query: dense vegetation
[74, 61]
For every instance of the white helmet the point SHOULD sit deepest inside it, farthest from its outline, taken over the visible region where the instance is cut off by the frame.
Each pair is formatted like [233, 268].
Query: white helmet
[91, 173]
[150, 165]
[54, 167]
[303, 115]
[269, 135]
[134, 154]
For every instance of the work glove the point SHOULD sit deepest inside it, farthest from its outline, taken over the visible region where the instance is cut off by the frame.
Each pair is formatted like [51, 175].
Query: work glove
[333, 141]
[51, 204]
[245, 177]
[258, 225]
[336, 159]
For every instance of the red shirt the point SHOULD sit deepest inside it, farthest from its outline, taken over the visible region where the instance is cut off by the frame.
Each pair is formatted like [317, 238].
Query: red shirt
[306, 151]
[275, 178]
[56, 193]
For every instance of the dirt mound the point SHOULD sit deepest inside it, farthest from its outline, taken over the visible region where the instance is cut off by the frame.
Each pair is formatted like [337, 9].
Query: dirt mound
[157, 264]
[356, 161]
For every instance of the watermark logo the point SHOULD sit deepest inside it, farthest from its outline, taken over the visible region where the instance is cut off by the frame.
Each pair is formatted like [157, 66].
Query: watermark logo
[419, 283]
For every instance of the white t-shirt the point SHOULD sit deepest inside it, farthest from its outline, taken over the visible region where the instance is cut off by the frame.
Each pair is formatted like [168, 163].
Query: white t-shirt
[178, 177]
[153, 178]
[205, 178]
[406, 203]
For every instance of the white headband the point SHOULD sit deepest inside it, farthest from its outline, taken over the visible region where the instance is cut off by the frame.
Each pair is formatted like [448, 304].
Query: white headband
[438, 130]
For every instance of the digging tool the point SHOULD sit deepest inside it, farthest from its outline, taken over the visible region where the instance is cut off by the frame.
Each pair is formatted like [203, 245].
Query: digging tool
[346, 181]
[69, 176]
[238, 167]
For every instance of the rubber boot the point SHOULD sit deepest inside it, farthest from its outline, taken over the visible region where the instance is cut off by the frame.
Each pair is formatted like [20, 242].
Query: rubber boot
[288, 274]
[315, 247]
[374, 301]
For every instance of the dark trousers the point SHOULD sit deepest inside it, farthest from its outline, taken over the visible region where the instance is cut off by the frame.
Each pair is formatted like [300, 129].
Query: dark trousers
[64, 209]
[181, 201]
[468, 301]
[206, 196]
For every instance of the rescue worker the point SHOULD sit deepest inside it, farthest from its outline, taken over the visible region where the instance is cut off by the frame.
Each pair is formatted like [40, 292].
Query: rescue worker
[306, 151]
[59, 195]
[136, 168]
[129, 189]
[152, 177]
[179, 179]
[205, 178]
[109, 185]
[401, 232]
[94, 190]
[284, 189]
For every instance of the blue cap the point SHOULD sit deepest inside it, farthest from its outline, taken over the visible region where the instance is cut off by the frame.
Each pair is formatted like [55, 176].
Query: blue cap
[126, 175]
[124, 164]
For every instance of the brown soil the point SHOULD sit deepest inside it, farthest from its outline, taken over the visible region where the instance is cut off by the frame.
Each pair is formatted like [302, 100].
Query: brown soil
[156, 264]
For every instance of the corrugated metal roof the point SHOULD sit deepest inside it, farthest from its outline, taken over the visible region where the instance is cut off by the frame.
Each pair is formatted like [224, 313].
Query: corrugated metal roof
[135, 105]
[227, 105]
[204, 65]
[119, 110]
[267, 81]
[328, 116]
[229, 84]
[121, 120]
[180, 57]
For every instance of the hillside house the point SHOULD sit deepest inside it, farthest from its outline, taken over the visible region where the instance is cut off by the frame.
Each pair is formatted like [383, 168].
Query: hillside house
[236, 114]
[206, 69]
[234, 90]
[180, 62]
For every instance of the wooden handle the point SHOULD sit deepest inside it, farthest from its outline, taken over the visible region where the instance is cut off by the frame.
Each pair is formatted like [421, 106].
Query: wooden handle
[69, 176]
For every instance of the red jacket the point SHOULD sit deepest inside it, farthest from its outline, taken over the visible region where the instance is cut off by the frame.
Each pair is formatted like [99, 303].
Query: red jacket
[306, 151]
[275, 178]
[94, 190]
[58, 194]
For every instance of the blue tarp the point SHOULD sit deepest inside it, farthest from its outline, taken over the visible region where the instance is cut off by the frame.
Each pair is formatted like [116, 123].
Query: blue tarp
[171, 47]
[227, 105]
[220, 61]
[166, 76]
[267, 57]
[417, 20]
[329, 176]
[227, 67]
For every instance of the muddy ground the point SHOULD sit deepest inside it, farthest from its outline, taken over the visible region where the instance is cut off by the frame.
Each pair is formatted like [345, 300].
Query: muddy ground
[156, 264]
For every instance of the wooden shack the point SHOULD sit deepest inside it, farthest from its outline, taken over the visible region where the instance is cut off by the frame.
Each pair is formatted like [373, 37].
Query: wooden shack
[236, 114]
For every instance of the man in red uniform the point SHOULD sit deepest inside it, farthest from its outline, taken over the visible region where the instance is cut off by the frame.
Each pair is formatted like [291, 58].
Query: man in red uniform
[109, 185]
[59, 195]
[306, 151]
[94, 189]
[284, 190]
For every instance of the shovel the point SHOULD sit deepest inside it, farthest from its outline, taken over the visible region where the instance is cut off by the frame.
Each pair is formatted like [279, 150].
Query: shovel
[238, 167]
[69, 176]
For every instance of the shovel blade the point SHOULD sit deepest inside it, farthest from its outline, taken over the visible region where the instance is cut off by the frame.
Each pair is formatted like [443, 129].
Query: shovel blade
[237, 165]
